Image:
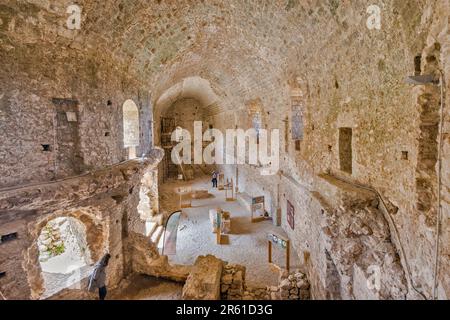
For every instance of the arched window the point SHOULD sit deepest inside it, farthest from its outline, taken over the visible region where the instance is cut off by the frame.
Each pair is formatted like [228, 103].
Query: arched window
[130, 127]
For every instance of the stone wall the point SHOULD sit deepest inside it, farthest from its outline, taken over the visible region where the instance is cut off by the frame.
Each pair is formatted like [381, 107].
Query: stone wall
[294, 286]
[61, 111]
[291, 286]
[232, 282]
[361, 87]
[185, 112]
[105, 201]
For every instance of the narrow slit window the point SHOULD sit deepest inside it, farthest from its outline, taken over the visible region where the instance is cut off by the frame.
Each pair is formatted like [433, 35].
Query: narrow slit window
[46, 147]
[8, 237]
[418, 65]
[345, 149]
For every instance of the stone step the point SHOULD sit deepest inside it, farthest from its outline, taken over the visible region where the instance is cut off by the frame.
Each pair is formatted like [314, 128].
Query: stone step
[157, 234]
[150, 228]
[340, 194]
[161, 242]
[245, 200]
[153, 232]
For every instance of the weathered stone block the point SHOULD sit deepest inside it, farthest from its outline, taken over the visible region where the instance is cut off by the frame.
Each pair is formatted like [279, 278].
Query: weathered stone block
[203, 283]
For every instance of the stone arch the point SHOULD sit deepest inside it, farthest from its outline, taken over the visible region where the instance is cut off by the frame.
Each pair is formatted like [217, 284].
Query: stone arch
[95, 238]
[196, 88]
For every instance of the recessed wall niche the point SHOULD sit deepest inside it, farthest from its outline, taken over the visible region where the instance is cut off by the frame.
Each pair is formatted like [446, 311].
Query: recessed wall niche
[345, 150]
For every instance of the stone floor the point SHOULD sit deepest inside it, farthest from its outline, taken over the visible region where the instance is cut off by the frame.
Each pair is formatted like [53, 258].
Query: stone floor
[141, 287]
[247, 244]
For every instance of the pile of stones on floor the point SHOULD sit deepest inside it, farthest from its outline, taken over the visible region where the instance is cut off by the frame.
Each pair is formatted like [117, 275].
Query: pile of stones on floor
[292, 286]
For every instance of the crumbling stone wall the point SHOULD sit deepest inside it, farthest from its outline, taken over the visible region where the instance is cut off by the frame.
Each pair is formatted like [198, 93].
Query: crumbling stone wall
[104, 201]
[294, 286]
[351, 234]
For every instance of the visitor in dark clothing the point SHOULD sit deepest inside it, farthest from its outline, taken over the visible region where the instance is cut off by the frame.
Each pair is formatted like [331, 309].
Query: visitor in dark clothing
[97, 279]
[214, 179]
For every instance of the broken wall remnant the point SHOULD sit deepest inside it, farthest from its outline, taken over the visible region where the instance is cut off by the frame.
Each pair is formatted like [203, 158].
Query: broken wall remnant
[233, 282]
[294, 286]
[204, 281]
[291, 286]
[145, 259]
[87, 198]
[351, 233]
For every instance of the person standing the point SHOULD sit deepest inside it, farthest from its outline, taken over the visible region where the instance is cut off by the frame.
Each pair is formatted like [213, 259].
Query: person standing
[97, 279]
[214, 179]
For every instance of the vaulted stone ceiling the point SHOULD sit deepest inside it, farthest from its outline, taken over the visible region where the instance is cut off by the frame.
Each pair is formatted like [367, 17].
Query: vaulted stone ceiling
[240, 46]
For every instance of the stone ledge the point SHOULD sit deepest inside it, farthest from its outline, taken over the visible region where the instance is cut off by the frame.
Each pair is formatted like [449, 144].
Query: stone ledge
[75, 189]
[341, 194]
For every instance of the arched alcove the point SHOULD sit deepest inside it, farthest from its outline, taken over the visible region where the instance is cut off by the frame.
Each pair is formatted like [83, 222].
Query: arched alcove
[192, 99]
[191, 88]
